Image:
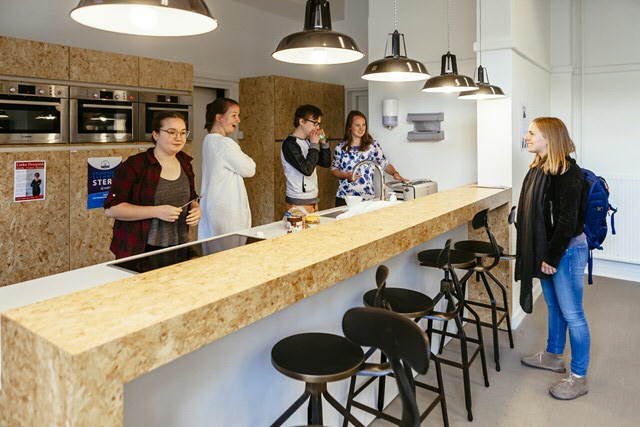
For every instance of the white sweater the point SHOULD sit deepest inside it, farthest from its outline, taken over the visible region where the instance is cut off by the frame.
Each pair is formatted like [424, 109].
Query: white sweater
[225, 205]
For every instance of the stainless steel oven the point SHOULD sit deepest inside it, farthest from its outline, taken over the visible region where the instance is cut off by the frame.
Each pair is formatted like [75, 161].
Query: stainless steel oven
[103, 115]
[154, 103]
[33, 113]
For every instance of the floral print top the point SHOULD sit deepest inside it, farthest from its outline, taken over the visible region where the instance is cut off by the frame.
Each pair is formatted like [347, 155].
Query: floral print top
[346, 160]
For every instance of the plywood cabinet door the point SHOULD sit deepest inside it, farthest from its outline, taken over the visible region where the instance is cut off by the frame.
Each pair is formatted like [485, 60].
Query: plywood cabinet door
[27, 58]
[93, 66]
[161, 74]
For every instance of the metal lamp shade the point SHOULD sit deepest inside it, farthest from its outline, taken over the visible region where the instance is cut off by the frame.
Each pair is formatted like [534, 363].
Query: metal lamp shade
[449, 80]
[146, 17]
[485, 91]
[396, 67]
[317, 44]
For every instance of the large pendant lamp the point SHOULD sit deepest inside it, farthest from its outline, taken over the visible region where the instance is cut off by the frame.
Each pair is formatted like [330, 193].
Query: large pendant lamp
[486, 90]
[146, 17]
[395, 67]
[449, 80]
[317, 43]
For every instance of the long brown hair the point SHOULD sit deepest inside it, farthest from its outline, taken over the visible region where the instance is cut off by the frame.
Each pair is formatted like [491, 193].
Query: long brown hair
[365, 141]
[560, 146]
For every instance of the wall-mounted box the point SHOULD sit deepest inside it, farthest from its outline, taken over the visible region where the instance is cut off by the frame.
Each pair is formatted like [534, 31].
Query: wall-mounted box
[426, 126]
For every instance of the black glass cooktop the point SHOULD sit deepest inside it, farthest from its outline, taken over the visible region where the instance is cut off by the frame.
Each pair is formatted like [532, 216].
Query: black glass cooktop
[156, 260]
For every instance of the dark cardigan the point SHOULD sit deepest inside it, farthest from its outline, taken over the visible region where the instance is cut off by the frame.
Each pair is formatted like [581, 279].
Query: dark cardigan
[564, 205]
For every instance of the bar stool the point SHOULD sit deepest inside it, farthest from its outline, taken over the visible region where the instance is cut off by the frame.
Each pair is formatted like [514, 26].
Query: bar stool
[404, 344]
[316, 359]
[451, 292]
[483, 250]
[410, 304]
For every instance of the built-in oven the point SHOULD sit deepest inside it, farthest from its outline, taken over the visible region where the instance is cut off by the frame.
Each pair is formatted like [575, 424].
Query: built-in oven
[103, 115]
[152, 104]
[33, 113]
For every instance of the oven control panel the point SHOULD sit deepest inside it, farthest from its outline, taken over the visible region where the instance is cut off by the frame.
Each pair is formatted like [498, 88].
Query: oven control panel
[101, 94]
[33, 89]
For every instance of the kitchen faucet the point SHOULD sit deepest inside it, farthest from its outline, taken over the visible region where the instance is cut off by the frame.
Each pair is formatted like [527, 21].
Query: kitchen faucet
[382, 180]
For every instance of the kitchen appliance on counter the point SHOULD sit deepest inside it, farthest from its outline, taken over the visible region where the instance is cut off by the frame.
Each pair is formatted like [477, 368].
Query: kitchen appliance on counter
[155, 103]
[413, 189]
[103, 115]
[182, 253]
[33, 113]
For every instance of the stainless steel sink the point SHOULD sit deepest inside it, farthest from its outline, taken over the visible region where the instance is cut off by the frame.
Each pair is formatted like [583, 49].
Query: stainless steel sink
[334, 214]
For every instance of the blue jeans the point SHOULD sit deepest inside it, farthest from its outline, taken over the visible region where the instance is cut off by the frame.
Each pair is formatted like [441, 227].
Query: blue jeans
[563, 294]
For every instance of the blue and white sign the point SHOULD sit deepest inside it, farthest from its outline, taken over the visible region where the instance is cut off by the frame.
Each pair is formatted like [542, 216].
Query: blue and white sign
[99, 176]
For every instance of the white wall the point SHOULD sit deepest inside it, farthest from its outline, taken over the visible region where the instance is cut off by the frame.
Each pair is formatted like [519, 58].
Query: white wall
[596, 62]
[452, 161]
[240, 47]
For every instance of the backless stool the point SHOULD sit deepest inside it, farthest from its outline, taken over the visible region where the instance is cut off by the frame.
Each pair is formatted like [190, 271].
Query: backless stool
[451, 292]
[493, 252]
[316, 359]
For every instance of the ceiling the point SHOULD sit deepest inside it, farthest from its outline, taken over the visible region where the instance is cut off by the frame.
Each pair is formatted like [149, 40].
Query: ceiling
[294, 9]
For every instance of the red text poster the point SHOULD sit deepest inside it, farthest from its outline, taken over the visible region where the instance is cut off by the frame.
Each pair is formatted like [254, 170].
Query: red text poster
[29, 180]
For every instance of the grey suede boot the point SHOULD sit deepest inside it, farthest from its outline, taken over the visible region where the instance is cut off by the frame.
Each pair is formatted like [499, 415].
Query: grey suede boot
[544, 360]
[570, 388]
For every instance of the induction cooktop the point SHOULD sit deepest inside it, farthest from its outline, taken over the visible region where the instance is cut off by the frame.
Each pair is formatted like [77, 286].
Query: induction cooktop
[155, 260]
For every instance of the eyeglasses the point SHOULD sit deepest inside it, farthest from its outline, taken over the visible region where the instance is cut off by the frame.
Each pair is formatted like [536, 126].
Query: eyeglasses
[174, 133]
[315, 124]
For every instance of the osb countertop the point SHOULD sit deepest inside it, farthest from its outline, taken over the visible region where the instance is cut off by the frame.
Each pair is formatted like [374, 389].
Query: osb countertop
[139, 323]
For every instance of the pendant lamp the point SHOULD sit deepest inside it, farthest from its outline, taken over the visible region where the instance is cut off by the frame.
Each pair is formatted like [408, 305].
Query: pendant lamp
[486, 90]
[395, 67]
[317, 43]
[146, 17]
[449, 80]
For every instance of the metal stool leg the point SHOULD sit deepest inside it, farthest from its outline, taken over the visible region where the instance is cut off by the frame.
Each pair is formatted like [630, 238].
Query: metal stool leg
[506, 307]
[333, 402]
[443, 402]
[494, 321]
[293, 408]
[465, 367]
[483, 357]
[352, 390]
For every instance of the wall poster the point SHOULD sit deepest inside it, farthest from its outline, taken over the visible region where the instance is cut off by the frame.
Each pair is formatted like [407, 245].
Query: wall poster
[29, 177]
[99, 175]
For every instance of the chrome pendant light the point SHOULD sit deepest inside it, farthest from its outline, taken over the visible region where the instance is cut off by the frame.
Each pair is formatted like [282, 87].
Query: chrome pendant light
[395, 67]
[317, 43]
[146, 17]
[449, 80]
[486, 90]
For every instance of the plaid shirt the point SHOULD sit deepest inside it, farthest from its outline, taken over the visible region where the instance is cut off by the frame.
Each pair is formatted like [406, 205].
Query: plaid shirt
[135, 181]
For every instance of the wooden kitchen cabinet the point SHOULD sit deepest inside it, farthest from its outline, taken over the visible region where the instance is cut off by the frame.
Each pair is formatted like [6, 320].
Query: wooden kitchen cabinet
[93, 66]
[267, 107]
[28, 58]
[161, 74]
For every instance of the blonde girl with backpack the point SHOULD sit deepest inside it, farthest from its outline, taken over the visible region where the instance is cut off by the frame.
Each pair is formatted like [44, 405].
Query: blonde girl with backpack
[552, 247]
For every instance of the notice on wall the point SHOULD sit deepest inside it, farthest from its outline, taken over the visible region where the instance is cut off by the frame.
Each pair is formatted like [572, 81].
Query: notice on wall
[99, 176]
[29, 178]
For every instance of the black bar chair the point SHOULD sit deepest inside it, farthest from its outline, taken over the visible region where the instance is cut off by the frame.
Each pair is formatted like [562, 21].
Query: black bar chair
[493, 252]
[316, 359]
[413, 305]
[452, 293]
[404, 344]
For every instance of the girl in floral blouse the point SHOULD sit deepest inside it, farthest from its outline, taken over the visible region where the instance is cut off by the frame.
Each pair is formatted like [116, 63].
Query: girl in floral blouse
[357, 146]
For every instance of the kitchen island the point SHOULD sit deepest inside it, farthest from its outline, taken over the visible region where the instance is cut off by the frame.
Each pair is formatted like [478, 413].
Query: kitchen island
[205, 327]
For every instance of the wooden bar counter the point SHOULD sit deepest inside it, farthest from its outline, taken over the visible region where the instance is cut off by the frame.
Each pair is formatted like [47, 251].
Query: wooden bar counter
[65, 360]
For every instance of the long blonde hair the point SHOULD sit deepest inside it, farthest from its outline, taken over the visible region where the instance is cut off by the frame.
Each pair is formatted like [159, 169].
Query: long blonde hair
[560, 146]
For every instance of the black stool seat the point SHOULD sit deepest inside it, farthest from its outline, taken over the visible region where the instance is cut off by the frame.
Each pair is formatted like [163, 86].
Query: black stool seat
[407, 302]
[317, 357]
[459, 259]
[477, 248]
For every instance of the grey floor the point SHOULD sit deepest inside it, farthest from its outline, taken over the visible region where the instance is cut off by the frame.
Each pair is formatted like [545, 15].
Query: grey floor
[518, 396]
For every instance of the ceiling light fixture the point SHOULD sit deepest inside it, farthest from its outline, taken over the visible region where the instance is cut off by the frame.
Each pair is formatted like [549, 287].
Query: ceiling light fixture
[486, 90]
[317, 43]
[146, 17]
[395, 67]
[449, 80]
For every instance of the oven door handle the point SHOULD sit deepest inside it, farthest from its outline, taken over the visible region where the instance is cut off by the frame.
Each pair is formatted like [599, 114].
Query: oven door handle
[17, 102]
[109, 107]
[186, 110]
